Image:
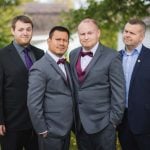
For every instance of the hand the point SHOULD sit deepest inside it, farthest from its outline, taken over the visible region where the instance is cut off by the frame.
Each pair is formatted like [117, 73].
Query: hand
[114, 126]
[44, 134]
[2, 130]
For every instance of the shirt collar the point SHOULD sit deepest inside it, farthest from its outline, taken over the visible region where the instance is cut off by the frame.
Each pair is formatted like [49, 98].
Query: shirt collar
[93, 50]
[18, 47]
[136, 50]
[56, 58]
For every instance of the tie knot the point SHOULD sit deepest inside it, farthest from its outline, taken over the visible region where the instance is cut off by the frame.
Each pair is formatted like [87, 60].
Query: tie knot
[26, 50]
[61, 61]
[86, 54]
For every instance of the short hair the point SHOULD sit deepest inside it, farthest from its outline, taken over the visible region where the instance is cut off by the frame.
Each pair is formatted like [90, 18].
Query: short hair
[59, 28]
[136, 21]
[21, 18]
[88, 20]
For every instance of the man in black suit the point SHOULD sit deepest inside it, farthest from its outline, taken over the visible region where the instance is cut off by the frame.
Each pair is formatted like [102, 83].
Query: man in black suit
[16, 130]
[134, 131]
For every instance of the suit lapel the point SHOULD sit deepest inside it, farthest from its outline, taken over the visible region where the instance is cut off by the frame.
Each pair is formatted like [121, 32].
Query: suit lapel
[56, 67]
[74, 64]
[69, 79]
[138, 63]
[36, 53]
[16, 58]
[93, 61]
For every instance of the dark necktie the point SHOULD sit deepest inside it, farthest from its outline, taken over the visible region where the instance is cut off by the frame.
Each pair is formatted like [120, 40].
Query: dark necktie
[61, 61]
[28, 59]
[86, 54]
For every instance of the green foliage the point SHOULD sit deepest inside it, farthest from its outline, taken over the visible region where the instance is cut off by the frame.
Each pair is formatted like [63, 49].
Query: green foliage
[111, 16]
[7, 6]
[12, 2]
[73, 144]
[8, 2]
[5, 35]
[109, 38]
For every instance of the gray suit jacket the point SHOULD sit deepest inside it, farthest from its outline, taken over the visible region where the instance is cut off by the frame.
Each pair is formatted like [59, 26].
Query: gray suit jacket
[101, 96]
[50, 98]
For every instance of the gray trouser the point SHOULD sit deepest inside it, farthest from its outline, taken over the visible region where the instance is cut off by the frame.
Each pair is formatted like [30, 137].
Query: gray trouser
[51, 143]
[103, 140]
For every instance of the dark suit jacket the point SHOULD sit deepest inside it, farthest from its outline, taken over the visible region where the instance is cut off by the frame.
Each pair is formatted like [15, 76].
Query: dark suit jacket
[50, 97]
[101, 96]
[13, 88]
[139, 94]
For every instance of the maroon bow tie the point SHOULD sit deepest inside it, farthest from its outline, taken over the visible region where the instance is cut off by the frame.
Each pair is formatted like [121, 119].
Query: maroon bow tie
[86, 54]
[61, 61]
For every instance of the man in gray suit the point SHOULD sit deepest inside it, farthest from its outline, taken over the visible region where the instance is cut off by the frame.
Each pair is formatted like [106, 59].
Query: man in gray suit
[99, 88]
[50, 99]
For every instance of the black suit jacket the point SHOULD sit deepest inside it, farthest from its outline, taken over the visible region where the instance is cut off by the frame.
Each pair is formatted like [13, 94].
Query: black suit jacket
[13, 88]
[139, 94]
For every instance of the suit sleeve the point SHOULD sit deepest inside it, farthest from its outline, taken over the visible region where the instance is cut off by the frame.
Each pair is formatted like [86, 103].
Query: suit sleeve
[36, 90]
[117, 83]
[1, 95]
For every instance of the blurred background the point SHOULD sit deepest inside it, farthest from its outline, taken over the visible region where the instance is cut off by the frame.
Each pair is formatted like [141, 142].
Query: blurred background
[111, 16]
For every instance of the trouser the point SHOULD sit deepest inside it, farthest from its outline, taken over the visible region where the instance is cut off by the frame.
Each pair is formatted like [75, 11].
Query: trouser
[103, 140]
[129, 140]
[17, 140]
[54, 143]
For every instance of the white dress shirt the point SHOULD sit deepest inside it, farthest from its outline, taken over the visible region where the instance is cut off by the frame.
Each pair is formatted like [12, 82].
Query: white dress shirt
[86, 59]
[56, 58]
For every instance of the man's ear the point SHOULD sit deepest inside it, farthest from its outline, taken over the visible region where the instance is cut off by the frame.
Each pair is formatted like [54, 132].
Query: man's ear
[99, 33]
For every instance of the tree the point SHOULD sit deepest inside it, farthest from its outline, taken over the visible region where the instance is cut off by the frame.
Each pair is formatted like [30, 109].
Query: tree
[111, 16]
[8, 10]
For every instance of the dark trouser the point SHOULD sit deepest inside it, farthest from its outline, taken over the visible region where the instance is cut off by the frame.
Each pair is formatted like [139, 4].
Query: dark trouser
[52, 143]
[103, 140]
[17, 140]
[130, 141]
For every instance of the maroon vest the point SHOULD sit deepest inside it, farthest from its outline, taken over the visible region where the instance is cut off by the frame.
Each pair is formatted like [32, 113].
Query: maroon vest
[80, 73]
